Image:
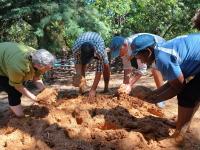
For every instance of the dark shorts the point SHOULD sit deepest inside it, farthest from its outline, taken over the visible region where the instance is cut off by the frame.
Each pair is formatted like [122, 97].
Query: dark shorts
[134, 62]
[190, 95]
[14, 96]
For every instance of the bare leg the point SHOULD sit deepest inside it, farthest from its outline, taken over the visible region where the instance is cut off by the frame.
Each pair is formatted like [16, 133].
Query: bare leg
[195, 110]
[83, 70]
[184, 117]
[159, 82]
[106, 76]
[78, 68]
[157, 77]
[17, 110]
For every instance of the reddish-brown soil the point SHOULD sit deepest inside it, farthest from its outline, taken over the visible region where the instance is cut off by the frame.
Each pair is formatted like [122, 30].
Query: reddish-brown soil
[106, 123]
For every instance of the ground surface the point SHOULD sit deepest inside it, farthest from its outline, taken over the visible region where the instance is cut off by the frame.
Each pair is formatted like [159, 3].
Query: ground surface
[66, 120]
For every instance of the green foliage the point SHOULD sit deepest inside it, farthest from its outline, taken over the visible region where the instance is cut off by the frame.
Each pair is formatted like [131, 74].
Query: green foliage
[54, 24]
[167, 18]
[21, 32]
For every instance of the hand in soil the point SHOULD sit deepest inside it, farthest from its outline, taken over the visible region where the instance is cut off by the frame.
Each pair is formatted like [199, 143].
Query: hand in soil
[124, 89]
[79, 81]
[47, 96]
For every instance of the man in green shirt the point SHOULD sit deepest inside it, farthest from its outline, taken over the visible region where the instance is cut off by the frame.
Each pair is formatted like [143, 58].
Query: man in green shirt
[19, 63]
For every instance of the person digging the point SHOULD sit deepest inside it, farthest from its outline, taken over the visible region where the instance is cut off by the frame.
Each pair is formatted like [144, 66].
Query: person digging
[177, 60]
[121, 47]
[90, 46]
[19, 63]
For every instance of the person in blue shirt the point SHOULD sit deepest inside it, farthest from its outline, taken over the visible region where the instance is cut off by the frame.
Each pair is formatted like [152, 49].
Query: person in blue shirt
[177, 60]
[121, 46]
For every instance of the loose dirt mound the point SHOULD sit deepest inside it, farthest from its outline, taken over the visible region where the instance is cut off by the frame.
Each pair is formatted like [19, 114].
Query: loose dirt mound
[108, 123]
[47, 96]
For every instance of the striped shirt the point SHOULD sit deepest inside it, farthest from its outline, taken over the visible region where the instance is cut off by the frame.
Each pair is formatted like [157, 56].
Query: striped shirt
[96, 40]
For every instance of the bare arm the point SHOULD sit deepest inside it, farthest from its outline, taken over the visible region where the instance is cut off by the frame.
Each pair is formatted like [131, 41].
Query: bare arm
[167, 91]
[96, 81]
[127, 73]
[39, 84]
[134, 79]
[26, 92]
[157, 77]
[142, 69]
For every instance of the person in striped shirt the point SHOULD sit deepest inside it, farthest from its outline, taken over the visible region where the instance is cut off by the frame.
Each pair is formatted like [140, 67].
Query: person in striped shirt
[88, 46]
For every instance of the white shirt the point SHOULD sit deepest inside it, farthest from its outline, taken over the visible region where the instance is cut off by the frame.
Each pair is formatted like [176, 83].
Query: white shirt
[126, 60]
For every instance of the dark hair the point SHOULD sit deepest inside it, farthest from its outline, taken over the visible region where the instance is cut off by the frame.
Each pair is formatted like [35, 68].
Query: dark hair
[146, 49]
[196, 20]
[87, 52]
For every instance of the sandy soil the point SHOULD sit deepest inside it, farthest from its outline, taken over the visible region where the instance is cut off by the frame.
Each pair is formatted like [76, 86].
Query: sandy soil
[65, 120]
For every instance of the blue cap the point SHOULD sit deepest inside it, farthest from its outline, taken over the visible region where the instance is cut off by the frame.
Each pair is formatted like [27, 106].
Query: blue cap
[115, 46]
[141, 42]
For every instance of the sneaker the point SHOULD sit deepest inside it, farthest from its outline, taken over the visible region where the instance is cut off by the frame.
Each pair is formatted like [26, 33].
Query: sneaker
[161, 104]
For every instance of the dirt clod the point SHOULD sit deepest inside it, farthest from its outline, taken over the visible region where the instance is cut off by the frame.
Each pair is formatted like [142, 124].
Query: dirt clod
[125, 123]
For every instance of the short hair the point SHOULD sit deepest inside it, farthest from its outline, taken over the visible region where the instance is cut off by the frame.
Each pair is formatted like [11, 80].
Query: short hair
[196, 20]
[87, 52]
[43, 57]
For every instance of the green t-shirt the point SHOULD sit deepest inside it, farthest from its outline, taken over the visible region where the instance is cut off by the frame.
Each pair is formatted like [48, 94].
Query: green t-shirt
[14, 63]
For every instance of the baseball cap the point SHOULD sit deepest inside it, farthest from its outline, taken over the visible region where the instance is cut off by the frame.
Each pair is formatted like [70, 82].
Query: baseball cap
[141, 42]
[115, 46]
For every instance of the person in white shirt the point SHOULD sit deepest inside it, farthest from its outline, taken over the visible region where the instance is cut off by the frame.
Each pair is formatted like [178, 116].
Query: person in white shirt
[121, 46]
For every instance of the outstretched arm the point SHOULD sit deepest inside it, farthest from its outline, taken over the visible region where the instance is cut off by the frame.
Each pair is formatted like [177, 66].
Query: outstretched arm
[167, 91]
[131, 78]
[26, 92]
[126, 88]
[92, 92]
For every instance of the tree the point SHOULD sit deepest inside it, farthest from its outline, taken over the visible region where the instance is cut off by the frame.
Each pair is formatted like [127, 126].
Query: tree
[55, 24]
[167, 18]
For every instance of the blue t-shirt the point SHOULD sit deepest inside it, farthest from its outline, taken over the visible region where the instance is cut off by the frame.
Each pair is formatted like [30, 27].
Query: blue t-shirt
[178, 56]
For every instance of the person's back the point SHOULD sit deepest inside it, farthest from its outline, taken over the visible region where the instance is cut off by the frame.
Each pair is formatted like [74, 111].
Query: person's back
[91, 37]
[183, 51]
[13, 60]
